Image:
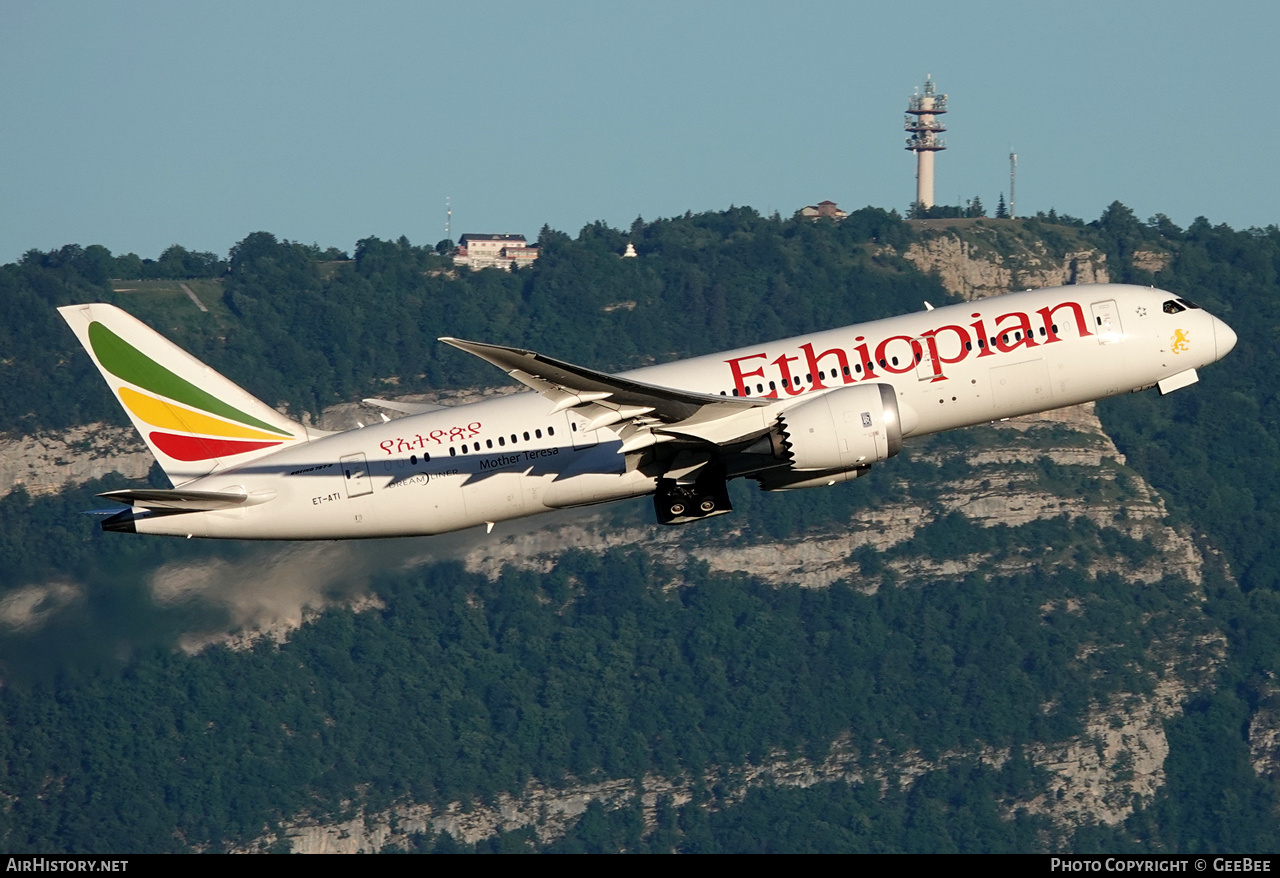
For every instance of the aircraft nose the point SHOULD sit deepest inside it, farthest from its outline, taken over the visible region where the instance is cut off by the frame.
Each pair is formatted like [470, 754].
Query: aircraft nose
[1224, 338]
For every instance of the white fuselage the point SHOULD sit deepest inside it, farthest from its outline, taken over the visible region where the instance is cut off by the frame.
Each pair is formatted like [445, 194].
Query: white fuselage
[516, 456]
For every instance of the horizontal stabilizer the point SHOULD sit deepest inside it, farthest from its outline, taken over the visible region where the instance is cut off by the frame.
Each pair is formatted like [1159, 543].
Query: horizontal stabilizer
[183, 501]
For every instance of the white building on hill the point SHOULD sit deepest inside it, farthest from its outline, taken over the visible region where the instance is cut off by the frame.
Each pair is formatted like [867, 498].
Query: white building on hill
[494, 251]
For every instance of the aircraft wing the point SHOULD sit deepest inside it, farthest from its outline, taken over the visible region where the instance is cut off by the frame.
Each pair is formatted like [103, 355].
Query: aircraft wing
[656, 412]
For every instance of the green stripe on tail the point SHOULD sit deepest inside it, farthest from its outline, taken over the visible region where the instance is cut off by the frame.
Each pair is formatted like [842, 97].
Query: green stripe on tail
[125, 361]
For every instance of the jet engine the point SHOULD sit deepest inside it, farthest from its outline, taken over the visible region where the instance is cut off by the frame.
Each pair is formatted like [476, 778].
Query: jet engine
[846, 429]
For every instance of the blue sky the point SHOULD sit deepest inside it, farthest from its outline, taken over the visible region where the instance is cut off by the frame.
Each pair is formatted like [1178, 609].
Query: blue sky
[137, 125]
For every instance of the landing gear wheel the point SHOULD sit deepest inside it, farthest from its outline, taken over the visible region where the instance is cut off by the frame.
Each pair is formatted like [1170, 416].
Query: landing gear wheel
[680, 504]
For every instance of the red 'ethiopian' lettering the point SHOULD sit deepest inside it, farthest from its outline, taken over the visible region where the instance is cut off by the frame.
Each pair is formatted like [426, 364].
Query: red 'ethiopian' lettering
[984, 349]
[937, 357]
[789, 383]
[886, 363]
[739, 375]
[814, 359]
[1047, 314]
[1021, 332]
[948, 344]
[861, 351]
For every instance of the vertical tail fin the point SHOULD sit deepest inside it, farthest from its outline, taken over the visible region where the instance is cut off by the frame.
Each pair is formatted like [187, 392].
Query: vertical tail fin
[194, 420]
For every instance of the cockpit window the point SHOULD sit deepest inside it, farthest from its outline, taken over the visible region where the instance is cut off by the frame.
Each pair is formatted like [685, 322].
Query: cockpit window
[1188, 303]
[1172, 307]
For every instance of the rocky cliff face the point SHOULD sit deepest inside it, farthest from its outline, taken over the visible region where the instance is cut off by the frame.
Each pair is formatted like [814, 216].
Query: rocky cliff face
[984, 262]
[45, 464]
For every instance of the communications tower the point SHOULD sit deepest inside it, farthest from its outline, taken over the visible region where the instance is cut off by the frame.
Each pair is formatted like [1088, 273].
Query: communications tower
[924, 141]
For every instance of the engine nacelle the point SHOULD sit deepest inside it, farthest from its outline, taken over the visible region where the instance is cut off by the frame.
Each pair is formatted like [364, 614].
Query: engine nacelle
[790, 480]
[842, 430]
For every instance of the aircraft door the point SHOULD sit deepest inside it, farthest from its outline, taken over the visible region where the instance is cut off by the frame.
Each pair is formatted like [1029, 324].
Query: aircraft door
[1106, 322]
[581, 438]
[355, 473]
[924, 360]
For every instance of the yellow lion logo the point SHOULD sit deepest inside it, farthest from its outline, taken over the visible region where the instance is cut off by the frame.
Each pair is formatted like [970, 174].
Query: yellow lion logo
[1181, 343]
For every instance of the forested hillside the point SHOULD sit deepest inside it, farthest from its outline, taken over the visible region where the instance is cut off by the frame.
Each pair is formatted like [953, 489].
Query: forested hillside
[315, 332]
[943, 669]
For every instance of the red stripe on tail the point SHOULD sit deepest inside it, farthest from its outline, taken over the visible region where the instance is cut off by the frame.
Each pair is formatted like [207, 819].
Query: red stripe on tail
[198, 448]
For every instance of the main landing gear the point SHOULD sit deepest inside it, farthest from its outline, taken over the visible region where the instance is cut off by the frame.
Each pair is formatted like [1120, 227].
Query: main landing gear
[706, 496]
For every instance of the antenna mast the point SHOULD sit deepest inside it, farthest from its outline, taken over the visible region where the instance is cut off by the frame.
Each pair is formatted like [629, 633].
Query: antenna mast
[448, 219]
[1013, 185]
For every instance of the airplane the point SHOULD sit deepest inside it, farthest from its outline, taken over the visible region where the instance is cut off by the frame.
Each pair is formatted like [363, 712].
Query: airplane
[803, 412]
